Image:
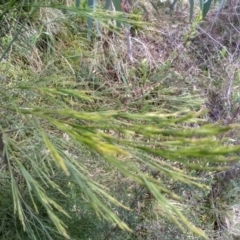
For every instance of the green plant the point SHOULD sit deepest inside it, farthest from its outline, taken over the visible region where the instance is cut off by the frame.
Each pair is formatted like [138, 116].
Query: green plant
[70, 125]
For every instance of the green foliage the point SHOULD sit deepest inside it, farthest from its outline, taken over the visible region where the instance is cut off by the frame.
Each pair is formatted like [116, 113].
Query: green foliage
[167, 139]
[71, 142]
[205, 7]
[191, 10]
[77, 3]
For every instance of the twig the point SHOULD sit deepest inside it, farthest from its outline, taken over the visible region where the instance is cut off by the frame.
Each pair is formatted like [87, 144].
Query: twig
[231, 120]
[199, 28]
[129, 43]
[3, 151]
[229, 89]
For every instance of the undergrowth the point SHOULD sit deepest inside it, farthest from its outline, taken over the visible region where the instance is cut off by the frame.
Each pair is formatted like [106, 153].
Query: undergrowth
[176, 69]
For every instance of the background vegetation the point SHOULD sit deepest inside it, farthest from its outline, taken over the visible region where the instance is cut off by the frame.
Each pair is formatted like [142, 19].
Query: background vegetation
[119, 123]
